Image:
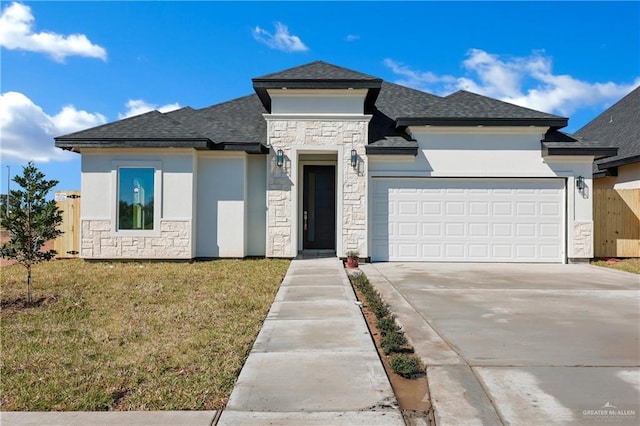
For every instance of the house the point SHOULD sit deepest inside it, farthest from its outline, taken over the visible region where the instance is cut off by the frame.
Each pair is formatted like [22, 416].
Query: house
[616, 179]
[327, 158]
[619, 125]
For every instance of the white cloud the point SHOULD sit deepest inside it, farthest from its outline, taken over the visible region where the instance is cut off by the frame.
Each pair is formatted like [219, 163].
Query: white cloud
[281, 40]
[526, 81]
[139, 106]
[352, 37]
[16, 32]
[416, 79]
[27, 131]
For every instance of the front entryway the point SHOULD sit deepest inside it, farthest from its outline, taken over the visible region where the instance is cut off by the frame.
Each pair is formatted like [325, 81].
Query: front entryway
[319, 207]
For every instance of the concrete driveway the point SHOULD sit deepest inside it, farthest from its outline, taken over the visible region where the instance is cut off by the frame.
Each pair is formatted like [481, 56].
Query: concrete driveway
[521, 343]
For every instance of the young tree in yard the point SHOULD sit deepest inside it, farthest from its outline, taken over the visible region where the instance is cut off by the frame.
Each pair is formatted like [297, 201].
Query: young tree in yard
[31, 222]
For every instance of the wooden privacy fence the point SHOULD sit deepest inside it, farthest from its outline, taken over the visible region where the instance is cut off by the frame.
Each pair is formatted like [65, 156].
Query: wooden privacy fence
[68, 244]
[616, 221]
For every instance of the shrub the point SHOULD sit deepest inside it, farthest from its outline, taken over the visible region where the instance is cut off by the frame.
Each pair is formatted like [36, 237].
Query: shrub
[407, 365]
[387, 325]
[393, 342]
[378, 307]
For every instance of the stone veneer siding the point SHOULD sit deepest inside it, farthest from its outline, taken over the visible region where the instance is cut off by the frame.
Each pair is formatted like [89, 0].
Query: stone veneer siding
[286, 134]
[582, 240]
[97, 241]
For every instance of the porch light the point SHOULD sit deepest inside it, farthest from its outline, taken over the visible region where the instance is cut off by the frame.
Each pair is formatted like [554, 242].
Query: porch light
[580, 183]
[354, 158]
[279, 158]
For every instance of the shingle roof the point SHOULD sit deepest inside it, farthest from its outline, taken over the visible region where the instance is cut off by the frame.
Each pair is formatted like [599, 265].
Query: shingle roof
[317, 70]
[618, 126]
[468, 108]
[236, 121]
[154, 128]
[239, 123]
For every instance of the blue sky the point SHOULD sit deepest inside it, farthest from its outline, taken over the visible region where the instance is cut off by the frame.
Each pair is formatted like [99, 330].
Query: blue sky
[66, 66]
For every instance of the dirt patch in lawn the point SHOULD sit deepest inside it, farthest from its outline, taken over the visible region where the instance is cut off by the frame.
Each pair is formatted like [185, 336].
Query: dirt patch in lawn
[412, 394]
[20, 303]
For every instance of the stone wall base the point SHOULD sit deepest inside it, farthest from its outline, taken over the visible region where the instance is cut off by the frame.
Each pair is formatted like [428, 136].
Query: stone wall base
[97, 242]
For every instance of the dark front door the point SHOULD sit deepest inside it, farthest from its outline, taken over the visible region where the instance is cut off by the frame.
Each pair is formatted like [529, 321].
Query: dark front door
[319, 207]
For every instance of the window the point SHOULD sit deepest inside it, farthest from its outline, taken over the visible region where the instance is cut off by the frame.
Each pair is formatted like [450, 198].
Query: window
[136, 186]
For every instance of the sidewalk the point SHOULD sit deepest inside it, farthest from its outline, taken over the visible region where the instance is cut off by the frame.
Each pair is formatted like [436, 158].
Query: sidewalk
[314, 361]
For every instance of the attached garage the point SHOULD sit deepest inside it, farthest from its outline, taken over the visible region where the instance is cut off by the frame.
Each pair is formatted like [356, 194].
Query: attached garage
[468, 220]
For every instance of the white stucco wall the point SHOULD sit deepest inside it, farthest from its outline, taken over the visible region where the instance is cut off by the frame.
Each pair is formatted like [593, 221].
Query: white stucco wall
[317, 101]
[498, 152]
[221, 207]
[256, 205]
[172, 234]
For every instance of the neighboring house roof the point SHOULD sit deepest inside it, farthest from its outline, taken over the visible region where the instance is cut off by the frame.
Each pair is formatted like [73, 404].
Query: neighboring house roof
[618, 126]
[239, 124]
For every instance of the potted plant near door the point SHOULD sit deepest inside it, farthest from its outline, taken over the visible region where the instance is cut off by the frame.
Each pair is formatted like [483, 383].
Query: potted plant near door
[352, 258]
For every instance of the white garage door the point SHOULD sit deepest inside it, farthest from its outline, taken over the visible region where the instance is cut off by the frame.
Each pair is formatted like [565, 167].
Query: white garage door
[468, 220]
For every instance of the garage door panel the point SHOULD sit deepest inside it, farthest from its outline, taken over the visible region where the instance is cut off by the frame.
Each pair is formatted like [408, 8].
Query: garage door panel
[484, 220]
[479, 208]
[502, 208]
[526, 229]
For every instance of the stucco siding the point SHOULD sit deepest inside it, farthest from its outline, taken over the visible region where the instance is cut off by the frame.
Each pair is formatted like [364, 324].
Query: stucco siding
[221, 205]
[256, 205]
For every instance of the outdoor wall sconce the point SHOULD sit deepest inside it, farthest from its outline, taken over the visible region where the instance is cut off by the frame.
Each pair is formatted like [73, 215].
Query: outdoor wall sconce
[279, 158]
[580, 183]
[354, 158]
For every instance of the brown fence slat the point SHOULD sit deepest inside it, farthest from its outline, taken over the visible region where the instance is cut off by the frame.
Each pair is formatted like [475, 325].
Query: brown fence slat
[68, 244]
[616, 216]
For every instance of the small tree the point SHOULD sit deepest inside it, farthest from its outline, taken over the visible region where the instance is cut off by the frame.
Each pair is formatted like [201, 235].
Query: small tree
[31, 222]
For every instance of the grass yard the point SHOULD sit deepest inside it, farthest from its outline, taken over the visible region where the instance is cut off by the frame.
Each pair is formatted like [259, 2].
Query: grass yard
[627, 265]
[131, 336]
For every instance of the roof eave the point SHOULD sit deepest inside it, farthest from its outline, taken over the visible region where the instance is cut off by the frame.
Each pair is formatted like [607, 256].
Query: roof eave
[132, 143]
[248, 147]
[597, 152]
[391, 150]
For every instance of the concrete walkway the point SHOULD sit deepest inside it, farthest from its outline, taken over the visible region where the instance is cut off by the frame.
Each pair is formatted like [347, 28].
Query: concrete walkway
[314, 361]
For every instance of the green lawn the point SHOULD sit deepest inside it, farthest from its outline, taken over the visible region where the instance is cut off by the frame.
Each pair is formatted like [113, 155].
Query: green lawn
[628, 265]
[131, 336]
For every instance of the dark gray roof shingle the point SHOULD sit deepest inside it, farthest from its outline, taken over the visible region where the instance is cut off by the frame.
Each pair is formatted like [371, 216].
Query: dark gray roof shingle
[468, 108]
[618, 126]
[317, 70]
[236, 121]
[150, 125]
